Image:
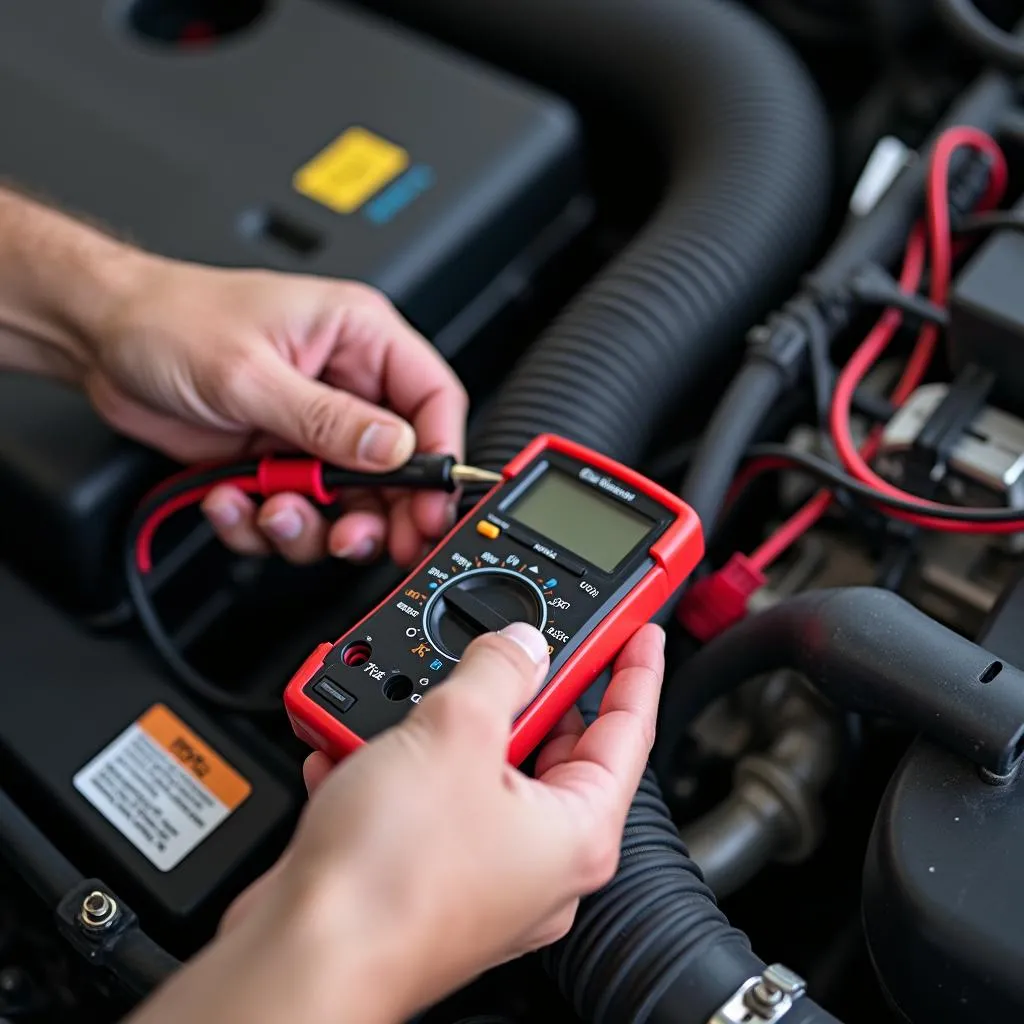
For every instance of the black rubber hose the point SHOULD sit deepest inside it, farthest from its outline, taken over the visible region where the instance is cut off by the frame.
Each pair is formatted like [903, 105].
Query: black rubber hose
[970, 27]
[652, 947]
[749, 399]
[869, 651]
[747, 146]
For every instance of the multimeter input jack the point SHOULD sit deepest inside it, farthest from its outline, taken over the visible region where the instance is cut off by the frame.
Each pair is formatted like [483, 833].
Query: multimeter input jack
[356, 653]
[398, 688]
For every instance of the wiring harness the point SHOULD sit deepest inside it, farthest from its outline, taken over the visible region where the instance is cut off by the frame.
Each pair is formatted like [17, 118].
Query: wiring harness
[720, 599]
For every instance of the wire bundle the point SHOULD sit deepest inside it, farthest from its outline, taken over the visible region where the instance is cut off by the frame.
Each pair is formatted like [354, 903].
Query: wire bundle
[933, 238]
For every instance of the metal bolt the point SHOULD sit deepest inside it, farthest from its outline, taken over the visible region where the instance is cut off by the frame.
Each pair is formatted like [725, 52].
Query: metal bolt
[777, 985]
[762, 997]
[99, 911]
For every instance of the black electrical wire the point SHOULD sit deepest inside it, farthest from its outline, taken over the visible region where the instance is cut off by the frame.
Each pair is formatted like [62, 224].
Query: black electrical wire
[979, 34]
[993, 220]
[838, 479]
[421, 472]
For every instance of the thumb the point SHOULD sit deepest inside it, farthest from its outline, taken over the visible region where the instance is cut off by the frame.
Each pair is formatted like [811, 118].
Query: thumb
[325, 422]
[498, 676]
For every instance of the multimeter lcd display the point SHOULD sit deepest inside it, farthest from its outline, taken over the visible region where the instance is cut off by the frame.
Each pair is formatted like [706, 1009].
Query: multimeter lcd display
[581, 520]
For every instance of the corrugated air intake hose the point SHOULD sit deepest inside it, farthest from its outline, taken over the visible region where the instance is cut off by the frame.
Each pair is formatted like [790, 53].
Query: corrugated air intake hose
[747, 144]
[747, 147]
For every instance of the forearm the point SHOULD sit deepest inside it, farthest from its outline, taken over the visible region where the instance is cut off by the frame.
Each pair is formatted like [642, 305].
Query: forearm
[59, 279]
[287, 964]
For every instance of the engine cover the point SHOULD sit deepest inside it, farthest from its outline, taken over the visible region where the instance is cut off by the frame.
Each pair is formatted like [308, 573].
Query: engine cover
[943, 903]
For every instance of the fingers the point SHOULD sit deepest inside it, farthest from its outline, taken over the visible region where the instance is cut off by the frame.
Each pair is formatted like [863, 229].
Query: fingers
[619, 742]
[497, 676]
[358, 536]
[233, 516]
[396, 365]
[560, 745]
[294, 528]
[315, 770]
[268, 392]
[405, 541]
[433, 515]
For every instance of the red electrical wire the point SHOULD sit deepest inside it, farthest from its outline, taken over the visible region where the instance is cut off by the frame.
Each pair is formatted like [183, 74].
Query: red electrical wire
[180, 501]
[882, 334]
[871, 349]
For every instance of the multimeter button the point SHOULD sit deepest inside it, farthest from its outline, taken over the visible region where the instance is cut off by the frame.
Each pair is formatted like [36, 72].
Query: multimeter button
[488, 530]
[338, 698]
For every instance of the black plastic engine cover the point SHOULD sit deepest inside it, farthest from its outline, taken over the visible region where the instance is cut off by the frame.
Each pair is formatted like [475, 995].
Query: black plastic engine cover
[944, 892]
[427, 174]
[944, 875]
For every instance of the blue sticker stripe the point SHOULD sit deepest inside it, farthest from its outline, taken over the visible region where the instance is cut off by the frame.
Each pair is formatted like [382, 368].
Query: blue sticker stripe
[399, 194]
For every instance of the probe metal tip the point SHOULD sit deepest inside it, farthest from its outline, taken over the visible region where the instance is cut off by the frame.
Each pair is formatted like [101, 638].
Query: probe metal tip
[474, 475]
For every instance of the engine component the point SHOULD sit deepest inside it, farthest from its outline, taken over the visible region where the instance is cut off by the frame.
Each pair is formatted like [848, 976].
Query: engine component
[67, 482]
[942, 894]
[392, 161]
[154, 797]
[588, 550]
[869, 651]
[773, 812]
[983, 465]
[959, 579]
[779, 349]
[987, 314]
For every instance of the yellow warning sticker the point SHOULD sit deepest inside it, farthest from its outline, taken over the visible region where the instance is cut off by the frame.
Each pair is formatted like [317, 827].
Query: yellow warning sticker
[162, 787]
[354, 167]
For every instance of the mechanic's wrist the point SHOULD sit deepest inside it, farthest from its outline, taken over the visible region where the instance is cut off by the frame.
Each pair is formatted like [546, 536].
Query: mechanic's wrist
[354, 955]
[60, 283]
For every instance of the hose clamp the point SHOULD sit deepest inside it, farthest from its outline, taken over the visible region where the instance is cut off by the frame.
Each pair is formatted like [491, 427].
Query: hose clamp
[763, 999]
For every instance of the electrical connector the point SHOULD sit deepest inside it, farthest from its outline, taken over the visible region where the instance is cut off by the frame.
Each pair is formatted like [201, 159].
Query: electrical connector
[713, 604]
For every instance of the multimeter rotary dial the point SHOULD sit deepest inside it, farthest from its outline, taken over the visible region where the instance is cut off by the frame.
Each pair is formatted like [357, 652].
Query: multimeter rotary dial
[480, 601]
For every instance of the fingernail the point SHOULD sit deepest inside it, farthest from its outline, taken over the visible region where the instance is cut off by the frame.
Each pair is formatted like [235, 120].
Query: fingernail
[386, 444]
[284, 525]
[530, 639]
[662, 637]
[224, 513]
[361, 551]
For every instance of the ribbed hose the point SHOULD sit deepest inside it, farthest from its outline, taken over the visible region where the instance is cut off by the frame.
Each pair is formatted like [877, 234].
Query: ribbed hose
[747, 145]
[652, 947]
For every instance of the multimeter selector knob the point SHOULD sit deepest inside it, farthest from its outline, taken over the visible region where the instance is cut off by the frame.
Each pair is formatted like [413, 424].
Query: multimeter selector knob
[481, 601]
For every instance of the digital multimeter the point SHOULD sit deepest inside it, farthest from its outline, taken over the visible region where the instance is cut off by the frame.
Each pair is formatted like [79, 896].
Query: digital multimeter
[571, 542]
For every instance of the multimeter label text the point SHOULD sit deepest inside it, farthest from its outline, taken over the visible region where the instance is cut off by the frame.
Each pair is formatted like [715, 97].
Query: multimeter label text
[589, 588]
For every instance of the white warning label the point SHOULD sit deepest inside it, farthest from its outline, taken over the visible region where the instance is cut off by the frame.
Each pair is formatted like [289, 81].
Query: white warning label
[161, 787]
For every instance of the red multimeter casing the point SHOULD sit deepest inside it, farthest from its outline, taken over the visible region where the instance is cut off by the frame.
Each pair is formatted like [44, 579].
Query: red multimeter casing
[584, 548]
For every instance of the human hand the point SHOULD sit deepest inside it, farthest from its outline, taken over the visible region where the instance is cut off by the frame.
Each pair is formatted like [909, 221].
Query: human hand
[429, 859]
[211, 364]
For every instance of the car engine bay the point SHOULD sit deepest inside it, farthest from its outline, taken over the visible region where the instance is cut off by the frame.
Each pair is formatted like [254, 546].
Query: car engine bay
[765, 254]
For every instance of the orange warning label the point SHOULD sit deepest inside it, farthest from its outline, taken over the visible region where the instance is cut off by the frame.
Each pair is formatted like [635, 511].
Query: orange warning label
[168, 731]
[162, 787]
